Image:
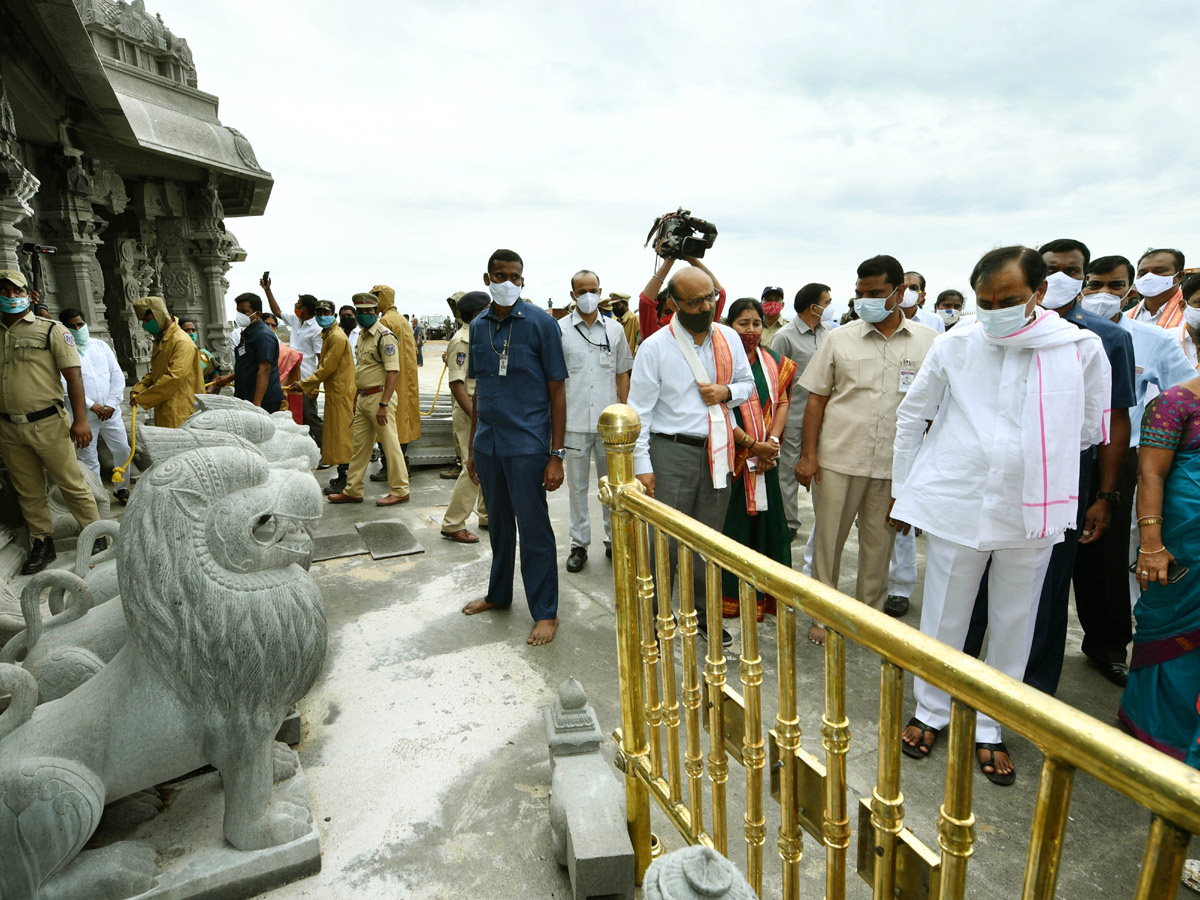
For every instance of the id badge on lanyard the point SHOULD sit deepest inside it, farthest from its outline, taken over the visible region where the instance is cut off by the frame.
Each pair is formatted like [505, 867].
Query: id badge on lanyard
[504, 362]
[908, 372]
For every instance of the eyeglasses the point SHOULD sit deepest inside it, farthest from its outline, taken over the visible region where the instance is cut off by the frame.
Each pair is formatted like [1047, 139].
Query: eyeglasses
[707, 300]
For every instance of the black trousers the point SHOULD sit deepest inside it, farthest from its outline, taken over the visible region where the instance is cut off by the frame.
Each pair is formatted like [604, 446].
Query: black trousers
[1102, 575]
[1050, 629]
[316, 425]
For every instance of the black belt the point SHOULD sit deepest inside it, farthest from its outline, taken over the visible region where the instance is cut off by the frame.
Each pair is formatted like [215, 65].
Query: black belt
[18, 419]
[689, 439]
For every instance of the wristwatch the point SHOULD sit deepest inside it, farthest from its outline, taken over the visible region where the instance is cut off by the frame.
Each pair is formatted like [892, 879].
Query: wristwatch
[1113, 497]
[774, 440]
[561, 452]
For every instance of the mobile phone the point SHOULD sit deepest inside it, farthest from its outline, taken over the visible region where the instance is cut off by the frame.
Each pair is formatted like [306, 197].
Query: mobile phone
[1175, 571]
[267, 275]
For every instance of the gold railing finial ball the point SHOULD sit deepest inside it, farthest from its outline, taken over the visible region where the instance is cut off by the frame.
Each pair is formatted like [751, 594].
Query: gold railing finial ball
[619, 426]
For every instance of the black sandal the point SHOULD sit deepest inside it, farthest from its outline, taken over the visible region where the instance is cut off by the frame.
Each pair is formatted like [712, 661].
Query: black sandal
[921, 750]
[993, 776]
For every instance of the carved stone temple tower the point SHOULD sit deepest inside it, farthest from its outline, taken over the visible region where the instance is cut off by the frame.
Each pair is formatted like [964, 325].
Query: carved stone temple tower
[110, 154]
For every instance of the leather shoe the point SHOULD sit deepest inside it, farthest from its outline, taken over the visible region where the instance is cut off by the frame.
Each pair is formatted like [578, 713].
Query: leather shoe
[392, 500]
[41, 554]
[122, 496]
[335, 486]
[895, 606]
[381, 475]
[462, 536]
[576, 559]
[344, 498]
[450, 474]
[1116, 672]
[608, 549]
[100, 546]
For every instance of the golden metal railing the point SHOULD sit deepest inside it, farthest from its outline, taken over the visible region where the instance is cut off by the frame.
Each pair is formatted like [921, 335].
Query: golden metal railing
[813, 795]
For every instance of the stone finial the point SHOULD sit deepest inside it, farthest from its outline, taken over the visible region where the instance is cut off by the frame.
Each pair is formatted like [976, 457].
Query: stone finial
[695, 873]
[571, 725]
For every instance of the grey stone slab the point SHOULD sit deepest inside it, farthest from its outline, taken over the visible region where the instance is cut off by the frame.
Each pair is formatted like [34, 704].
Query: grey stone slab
[194, 859]
[387, 538]
[333, 546]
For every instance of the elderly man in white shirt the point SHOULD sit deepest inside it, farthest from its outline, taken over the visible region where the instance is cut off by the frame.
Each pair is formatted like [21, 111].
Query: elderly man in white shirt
[305, 337]
[103, 389]
[598, 364]
[685, 378]
[1012, 400]
[912, 304]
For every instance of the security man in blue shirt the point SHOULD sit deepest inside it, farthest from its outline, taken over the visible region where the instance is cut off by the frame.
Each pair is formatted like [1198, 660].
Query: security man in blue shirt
[1067, 261]
[516, 451]
[255, 373]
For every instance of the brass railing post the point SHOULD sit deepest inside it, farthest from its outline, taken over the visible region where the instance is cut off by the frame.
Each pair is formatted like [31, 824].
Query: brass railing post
[692, 695]
[835, 738]
[956, 824]
[887, 803]
[714, 677]
[787, 730]
[1162, 864]
[754, 757]
[1049, 827]
[619, 427]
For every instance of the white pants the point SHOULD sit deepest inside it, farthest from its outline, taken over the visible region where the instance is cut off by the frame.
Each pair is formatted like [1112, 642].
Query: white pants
[902, 571]
[578, 471]
[952, 577]
[112, 430]
[808, 553]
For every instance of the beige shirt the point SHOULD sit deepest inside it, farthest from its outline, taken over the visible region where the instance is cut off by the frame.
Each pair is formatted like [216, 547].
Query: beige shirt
[859, 370]
[32, 352]
[769, 331]
[377, 353]
[458, 352]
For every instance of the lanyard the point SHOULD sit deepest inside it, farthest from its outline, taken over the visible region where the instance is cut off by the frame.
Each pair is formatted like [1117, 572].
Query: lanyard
[606, 345]
[503, 352]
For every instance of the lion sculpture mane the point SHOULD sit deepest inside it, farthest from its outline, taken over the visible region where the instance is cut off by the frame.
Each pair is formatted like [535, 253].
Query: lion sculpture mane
[226, 631]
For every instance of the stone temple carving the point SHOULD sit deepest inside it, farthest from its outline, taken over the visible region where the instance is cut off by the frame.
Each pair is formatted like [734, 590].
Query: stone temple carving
[695, 873]
[225, 632]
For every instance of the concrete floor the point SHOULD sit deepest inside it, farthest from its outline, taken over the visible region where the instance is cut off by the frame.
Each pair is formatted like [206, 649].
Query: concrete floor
[425, 751]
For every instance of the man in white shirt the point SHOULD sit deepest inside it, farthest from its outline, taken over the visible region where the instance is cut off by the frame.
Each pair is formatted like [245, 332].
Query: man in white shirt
[685, 378]
[305, 337]
[1008, 404]
[103, 389]
[949, 307]
[1159, 273]
[856, 381]
[913, 302]
[598, 364]
[798, 341]
[1103, 588]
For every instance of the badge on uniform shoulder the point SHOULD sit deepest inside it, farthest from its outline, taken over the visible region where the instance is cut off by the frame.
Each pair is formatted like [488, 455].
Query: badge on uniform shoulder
[461, 358]
[67, 337]
[389, 349]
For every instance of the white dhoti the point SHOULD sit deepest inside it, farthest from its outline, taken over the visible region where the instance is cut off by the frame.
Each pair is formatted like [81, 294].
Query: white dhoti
[953, 573]
[112, 431]
[902, 570]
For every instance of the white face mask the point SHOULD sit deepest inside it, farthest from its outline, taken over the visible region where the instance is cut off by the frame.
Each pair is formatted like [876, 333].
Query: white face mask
[950, 316]
[504, 293]
[1001, 323]
[1102, 304]
[1061, 289]
[1191, 315]
[587, 303]
[910, 298]
[241, 320]
[1151, 285]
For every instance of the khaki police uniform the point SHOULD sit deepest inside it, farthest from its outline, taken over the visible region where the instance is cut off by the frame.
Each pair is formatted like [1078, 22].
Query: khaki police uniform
[35, 431]
[377, 353]
[466, 492]
[336, 371]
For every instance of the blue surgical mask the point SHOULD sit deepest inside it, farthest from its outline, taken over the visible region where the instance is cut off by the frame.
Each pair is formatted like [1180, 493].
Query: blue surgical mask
[1001, 323]
[14, 305]
[81, 336]
[326, 321]
[873, 309]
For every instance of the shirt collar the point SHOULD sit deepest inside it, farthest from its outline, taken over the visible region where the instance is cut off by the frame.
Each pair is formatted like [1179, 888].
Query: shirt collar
[905, 325]
[28, 317]
[490, 312]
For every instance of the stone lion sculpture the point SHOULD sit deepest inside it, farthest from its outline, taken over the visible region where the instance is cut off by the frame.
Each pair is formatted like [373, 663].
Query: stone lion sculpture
[226, 632]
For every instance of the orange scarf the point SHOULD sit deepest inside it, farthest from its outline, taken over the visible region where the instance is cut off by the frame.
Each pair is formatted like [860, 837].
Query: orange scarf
[757, 419]
[1170, 314]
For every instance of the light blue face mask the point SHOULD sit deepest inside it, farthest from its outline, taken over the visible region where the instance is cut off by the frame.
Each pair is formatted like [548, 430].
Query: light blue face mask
[873, 309]
[326, 321]
[13, 305]
[1000, 323]
[81, 336]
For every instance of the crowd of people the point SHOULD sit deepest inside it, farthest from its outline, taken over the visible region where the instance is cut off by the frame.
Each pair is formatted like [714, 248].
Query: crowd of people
[1015, 438]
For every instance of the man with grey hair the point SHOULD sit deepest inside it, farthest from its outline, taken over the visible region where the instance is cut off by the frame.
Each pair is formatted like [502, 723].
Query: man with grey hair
[685, 377]
[598, 364]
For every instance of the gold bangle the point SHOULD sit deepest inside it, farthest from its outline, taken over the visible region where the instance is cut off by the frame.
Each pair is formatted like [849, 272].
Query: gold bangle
[1149, 520]
[1148, 552]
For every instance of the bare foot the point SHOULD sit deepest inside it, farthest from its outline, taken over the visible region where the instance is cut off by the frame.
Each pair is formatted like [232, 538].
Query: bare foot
[543, 632]
[478, 606]
[816, 635]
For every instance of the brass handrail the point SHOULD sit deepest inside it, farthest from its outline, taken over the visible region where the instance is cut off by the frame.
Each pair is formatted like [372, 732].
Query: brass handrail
[1069, 739]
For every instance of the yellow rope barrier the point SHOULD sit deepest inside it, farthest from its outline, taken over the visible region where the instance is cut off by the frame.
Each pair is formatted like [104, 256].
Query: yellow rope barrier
[119, 472]
[437, 393]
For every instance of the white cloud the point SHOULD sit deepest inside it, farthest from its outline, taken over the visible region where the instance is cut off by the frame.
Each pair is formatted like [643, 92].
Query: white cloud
[410, 140]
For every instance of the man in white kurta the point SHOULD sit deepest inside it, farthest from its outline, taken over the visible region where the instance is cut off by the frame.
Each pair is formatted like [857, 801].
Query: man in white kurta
[1012, 400]
[104, 389]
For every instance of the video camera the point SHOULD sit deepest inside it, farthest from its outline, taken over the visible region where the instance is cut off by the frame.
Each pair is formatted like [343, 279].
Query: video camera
[36, 252]
[682, 235]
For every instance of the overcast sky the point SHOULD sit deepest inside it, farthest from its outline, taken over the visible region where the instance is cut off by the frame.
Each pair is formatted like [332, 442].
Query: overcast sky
[409, 140]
